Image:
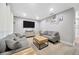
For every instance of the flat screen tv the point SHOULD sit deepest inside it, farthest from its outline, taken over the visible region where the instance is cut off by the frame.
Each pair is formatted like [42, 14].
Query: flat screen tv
[28, 24]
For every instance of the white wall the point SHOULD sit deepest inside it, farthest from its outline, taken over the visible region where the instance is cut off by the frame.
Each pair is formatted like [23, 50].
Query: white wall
[77, 27]
[6, 20]
[18, 25]
[65, 27]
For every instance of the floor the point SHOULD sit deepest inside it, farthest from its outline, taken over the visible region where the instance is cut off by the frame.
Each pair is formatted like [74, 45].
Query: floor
[53, 49]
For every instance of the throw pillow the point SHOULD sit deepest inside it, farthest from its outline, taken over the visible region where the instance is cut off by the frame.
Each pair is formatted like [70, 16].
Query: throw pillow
[19, 35]
[16, 38]
[13, 44]
[56, 34]
[24, 43]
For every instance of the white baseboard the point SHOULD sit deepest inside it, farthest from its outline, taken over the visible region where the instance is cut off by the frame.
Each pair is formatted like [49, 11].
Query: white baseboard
[66, 42]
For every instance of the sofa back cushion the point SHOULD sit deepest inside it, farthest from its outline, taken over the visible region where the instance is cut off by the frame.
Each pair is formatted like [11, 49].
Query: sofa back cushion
[2, 45]
[50, 33]
[44, 32]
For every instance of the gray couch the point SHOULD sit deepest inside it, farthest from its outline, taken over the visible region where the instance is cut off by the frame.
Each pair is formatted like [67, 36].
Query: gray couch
[13, 43]
[52, 36]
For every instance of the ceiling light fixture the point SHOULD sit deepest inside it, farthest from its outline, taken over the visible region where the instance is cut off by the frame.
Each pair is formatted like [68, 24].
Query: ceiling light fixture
[51, 9]
[24, 14]
[37, 17]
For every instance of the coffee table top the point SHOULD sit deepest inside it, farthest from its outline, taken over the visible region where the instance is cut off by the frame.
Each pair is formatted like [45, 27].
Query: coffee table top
[41, 39]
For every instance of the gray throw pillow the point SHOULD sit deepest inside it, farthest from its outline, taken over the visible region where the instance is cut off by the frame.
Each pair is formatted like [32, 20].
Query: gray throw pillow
[16, 38]
[17, 45]
[24, 43]
[10, 36]
[55, 33]
[19, 35]
[13, 44]
[2, 45]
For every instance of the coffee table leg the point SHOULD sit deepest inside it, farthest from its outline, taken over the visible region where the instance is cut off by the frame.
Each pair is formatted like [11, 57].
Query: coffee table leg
[39, 47]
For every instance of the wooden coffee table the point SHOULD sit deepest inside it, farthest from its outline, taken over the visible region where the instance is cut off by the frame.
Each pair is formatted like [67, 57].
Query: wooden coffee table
[40, 42]
[28, 51]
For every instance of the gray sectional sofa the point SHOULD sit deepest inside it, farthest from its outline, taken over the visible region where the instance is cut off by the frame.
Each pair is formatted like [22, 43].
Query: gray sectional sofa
[52, 36]
[13, 43]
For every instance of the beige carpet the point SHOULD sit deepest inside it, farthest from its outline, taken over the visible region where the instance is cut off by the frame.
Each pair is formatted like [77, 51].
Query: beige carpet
[53, 49]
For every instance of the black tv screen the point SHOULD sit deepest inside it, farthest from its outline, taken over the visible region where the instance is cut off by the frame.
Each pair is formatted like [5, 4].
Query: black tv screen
[28, 24]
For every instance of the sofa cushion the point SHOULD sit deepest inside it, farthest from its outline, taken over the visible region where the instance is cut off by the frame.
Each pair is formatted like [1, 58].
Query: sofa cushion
[13, 44]
[2, 45]
[24, 43]
[8, 52]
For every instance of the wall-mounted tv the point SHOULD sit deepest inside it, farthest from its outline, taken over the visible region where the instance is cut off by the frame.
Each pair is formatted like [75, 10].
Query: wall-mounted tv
[28, 24]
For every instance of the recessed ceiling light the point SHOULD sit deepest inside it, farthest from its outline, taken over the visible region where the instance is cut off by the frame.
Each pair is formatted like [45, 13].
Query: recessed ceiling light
[24, 14]
[51, 9]
[37, 17]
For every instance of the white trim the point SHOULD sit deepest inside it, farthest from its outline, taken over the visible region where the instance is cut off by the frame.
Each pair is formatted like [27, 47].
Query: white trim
[66, 42]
